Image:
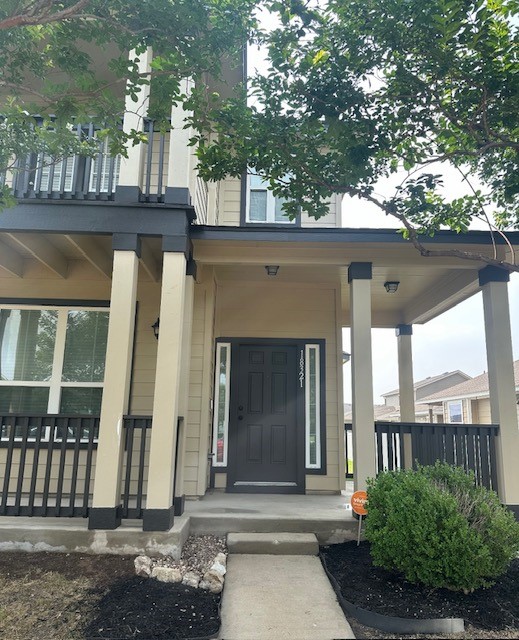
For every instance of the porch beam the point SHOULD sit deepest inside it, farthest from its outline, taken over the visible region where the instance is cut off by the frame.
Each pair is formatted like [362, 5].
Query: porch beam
[92, 253]
[447, 292]
[11, 260]
[121, 326]
[43, 251]
[404, 337]
[503, 408]
[159, 512]
[363, 419]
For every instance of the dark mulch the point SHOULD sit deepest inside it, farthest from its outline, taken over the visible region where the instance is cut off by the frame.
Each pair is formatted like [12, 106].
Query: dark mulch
[60, 596]
[143, 608]
[387, 593]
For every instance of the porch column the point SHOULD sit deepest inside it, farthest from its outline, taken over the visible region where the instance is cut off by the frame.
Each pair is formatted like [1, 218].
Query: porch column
[179, 170]
[183, 402]
[130, 174]
[159, 512]
[359, 277]
[104, 513]
[404, 333]
[503, 408]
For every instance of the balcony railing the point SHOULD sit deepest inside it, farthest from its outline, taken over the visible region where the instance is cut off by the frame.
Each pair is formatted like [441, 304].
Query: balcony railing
[38, 176]
[470, 446]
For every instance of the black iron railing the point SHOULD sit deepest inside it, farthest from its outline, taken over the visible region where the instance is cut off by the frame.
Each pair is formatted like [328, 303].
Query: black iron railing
[136, 448]
[470, 446]
[47, 464]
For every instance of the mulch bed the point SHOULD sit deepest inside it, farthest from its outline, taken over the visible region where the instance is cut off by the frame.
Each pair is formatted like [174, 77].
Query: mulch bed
[63, 596]
[144, 608]
[389, 594]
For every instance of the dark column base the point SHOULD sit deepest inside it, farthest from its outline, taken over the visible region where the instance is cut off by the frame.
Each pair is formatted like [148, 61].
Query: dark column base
[158, 519]
[514, 508]
[179, 504]
[177, 195]
[104, 518]
[127, 194]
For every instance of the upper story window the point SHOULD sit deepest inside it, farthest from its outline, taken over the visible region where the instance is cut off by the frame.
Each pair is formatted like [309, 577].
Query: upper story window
[52, 360]
[262, 206]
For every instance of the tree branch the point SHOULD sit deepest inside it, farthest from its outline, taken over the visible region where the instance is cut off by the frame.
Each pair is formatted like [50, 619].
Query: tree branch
[42, 14]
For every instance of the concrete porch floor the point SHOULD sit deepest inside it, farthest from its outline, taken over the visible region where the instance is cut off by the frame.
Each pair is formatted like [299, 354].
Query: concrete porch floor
[217, 513]
[325, 515]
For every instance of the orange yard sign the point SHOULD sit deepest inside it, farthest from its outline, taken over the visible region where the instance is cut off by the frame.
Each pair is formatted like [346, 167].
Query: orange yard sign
[358, 501]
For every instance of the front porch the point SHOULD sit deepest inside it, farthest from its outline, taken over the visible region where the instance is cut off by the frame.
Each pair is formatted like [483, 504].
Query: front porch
[217, 513]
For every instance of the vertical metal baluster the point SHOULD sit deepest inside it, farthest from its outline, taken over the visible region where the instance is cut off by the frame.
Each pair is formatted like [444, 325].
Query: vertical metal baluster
[78, 422]
[88, 470]
[48, 465]
[161, 167]
[146, 428]
[35, 463]
[39, 172]
[62, 460]
[10, 422]
[88, 162]
[129, 428]
[149, 154]
[24, 424]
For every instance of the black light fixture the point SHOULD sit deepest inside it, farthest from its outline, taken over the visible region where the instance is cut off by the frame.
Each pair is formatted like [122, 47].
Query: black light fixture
[391, 286]
[272, 270]
[155, 327]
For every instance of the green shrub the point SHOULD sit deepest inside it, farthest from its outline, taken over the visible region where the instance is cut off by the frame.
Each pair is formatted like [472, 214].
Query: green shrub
[437, 528]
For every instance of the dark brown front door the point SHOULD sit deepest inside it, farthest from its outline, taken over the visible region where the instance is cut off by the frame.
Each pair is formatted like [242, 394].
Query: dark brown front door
[264, 443]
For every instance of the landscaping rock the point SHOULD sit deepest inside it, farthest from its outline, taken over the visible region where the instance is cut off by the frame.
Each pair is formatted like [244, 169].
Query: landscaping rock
[221, 558]
[143, 566]
[191, 579]
[212, 581]
[166, 574]
[218, 568]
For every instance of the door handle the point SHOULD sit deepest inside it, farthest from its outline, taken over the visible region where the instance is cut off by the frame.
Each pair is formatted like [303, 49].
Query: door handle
[240, 417]
[240, 408]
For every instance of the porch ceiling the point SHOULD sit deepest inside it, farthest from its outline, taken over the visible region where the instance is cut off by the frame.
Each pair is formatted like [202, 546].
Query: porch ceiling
[57, 252]
[428, 286]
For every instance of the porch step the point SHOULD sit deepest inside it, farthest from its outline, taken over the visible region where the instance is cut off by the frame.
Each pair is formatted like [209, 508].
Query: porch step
[284, 544]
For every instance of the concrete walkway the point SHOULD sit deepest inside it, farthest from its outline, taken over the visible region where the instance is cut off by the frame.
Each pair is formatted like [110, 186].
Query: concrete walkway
[280, 598]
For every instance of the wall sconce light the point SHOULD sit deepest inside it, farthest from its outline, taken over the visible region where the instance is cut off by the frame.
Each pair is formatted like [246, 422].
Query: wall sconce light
[155, 327]
[271, 270]
[391, 286]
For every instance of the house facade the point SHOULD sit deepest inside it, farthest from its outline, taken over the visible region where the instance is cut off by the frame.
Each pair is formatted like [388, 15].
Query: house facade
[161, 336]
[469, 401]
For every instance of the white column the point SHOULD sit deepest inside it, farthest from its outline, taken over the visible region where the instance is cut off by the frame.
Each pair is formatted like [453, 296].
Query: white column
[180, 165]
[135, 112]
[404, 333]
[119, 351]
[183, 402]
[158, 515]
[503, 406]
[359, 277]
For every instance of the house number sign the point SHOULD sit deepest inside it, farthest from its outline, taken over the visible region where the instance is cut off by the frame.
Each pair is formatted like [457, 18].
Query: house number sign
[301, 369]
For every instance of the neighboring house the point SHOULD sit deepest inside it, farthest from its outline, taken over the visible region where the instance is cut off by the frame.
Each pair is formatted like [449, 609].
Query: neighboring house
[468, 402]
[422, 389]
[160, 336]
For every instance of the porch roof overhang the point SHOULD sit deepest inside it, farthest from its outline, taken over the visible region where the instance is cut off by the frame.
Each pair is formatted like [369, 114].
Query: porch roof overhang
[428, 285]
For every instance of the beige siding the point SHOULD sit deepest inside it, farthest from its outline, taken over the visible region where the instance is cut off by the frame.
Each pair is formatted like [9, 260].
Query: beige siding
[230, 196]
[331, 220]
[273, 310]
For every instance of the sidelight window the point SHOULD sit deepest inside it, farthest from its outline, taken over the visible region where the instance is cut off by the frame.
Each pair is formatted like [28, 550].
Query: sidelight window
[221, 403]
[312, 407]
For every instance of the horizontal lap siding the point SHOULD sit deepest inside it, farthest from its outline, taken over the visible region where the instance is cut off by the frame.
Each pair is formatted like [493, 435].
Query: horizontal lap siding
[295, 311]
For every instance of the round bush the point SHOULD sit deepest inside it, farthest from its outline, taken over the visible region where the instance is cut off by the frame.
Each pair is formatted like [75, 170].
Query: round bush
[437, 528]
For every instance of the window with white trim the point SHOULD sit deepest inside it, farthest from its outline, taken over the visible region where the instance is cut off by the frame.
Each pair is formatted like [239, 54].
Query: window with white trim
[222, 387]
[262, 205]
[52, 359]
[455, 412]
[312, 407]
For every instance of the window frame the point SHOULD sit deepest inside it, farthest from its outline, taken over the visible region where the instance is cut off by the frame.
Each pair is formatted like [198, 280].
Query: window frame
[55, 383]
[453, 403]
[245, 204]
